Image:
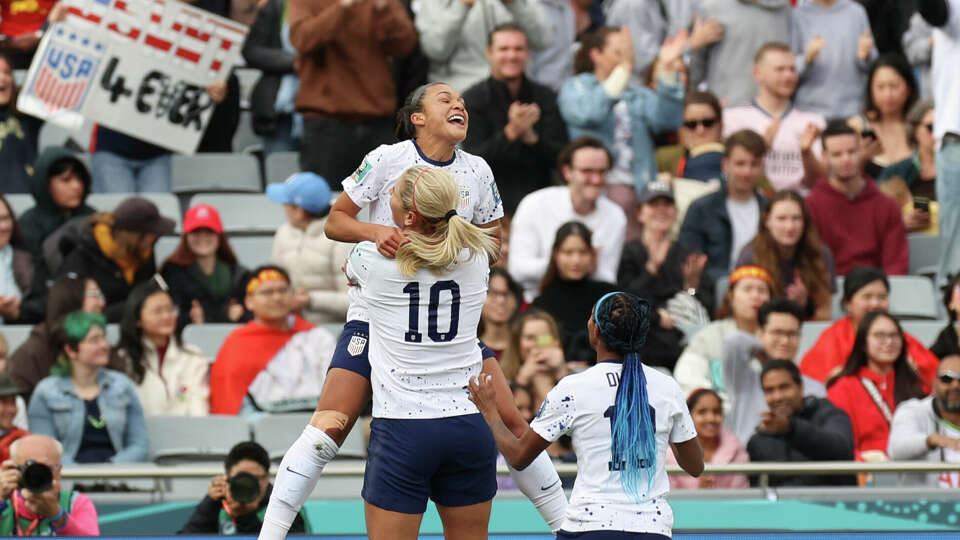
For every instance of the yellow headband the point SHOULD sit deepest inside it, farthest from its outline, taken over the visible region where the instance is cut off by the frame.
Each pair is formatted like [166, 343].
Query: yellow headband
[755, 272]
[265, 275]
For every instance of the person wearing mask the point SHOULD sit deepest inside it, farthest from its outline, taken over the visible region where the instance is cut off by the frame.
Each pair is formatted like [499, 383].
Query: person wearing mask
[865, 290]
[793, 159]
[275, 363]
[94, 412]
[584, 164]
[516, 124]
[700, 364]
[601, 102]
[720, 446]
[504, 298]
[302, 248]
[875, 380]
[859, 224]
[787, 246]
[236, 501]
[747, 24]
[11, 405]
[18, 131]
[799, 428]
[567, 292]
[699, 154]
[52, 512]
[926, 429]
[744, 356]
[115, 249]
[668, 274]
[203, 274]
[170, 375]
[720, 224]
[33, 359]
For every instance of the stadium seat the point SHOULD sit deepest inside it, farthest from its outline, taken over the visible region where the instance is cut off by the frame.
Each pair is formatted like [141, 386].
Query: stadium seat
[243, 212]
[913, 297]
[52, 134]
[252, 251]
[280, 165]
[215, 172]
[19, 202]
[244, 139]
[924, 253]
[16, 334]
[276, 432]
[208, 337]
[164, 247]
[925, 331]
[167, 204]
[179, 439]
[809, 334]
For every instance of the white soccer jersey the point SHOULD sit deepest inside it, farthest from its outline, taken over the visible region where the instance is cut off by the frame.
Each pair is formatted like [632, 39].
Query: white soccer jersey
[369, 186]
[423, 333]
[582, 406]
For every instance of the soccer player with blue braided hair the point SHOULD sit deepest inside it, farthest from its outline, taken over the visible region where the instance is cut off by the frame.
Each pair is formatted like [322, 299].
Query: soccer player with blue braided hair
[621, 415]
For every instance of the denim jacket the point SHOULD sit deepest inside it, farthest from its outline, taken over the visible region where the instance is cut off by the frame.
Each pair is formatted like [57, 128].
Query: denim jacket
[57, 411]
[588, 110]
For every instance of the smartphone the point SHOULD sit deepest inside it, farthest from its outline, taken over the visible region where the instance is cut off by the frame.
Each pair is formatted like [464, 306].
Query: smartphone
[545, 340]
[921, 203]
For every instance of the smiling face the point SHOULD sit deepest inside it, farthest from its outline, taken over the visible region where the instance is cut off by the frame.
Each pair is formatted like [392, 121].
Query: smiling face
[785, 222]
[743, 170]
[93, 350]
[784, 395]
[444, 114]
[587, 173]
[701, 125]
[508, 54]
[884, 342]
[658, 215]
[158, 316]
[707, 415]
[873, 296]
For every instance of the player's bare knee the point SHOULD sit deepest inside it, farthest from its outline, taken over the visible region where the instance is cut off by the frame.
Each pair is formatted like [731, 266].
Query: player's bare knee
[333, 423]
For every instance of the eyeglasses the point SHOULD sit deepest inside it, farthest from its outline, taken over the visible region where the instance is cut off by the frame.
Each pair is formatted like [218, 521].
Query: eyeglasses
[591, 172]
[785, 334]
[948, 377]
[884, 336]
[707, 123]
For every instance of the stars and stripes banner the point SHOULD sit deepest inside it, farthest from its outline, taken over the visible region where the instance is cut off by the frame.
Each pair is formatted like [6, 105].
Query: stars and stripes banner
[137, 66]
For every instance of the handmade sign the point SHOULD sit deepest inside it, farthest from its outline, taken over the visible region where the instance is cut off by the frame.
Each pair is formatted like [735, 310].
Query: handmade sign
[140, 67]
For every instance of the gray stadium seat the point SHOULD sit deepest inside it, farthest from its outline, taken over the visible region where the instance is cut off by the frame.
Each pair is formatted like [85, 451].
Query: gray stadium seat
[244, 139]
[164, 247]
[191, 438]
[16, 334]
[52, 134]
[924, 253]
[809, 334]
[215, 172]
[913, 297]
[208, 336]
[167, 203]
[252, 251]
[20, 202]
[925, 331]
[276, 432]
[244, 212]
[280, 165]
[837, 310]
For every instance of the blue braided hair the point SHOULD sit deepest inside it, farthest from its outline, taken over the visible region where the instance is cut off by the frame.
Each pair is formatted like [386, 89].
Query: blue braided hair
[623, 320]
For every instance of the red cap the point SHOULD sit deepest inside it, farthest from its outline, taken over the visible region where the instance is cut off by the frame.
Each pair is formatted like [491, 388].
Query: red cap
[202, 216]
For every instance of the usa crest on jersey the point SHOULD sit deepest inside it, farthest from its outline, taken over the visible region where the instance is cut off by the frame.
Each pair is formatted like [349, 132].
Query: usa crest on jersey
[357, 343]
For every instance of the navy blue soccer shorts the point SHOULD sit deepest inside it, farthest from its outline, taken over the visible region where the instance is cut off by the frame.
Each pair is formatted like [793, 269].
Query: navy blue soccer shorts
[452, 461]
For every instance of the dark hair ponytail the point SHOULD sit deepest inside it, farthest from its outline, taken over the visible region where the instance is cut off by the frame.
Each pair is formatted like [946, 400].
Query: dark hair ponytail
[623, 321]
[413, 104]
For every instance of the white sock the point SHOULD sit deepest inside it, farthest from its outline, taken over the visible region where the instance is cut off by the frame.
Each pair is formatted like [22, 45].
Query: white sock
[541, 484]
[297, 476]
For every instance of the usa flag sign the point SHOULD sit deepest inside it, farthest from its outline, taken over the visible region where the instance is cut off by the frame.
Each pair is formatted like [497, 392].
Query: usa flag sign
[140, 67]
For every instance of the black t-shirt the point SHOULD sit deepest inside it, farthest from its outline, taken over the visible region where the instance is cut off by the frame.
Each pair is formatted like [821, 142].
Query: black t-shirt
[95, 446]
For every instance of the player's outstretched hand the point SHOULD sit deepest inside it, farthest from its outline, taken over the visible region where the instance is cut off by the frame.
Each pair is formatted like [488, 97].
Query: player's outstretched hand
[484, 396]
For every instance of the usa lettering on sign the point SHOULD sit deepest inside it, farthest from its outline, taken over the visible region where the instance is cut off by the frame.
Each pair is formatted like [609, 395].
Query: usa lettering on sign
[140, 67]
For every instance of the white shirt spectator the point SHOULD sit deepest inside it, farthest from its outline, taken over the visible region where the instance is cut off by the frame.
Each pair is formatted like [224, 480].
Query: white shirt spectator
[535, 225]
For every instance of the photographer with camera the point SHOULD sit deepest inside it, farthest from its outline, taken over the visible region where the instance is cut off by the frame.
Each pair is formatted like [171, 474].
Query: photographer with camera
[235, 502]
[32, 502]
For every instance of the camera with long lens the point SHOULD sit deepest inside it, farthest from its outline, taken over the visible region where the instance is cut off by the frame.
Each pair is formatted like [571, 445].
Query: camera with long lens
[35, 476]
[244, 487]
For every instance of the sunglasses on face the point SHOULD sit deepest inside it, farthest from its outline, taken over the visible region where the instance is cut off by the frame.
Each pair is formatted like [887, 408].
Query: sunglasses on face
[705, 122]
[948, 377]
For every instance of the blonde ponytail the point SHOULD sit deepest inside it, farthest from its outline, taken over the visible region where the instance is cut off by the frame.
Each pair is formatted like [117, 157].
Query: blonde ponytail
[434, 195]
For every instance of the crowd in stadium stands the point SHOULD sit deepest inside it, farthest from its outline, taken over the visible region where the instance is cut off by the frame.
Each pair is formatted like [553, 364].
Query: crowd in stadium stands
[745, 165]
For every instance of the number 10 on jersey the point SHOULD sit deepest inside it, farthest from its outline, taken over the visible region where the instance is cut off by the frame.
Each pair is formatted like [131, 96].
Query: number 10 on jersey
[413, 334]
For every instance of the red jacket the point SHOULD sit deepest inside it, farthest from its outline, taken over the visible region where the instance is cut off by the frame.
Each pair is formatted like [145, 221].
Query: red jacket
[5, 442]
[18, 17]
[243, 355]
[865, 230]
[870, 428]
[831, 351]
